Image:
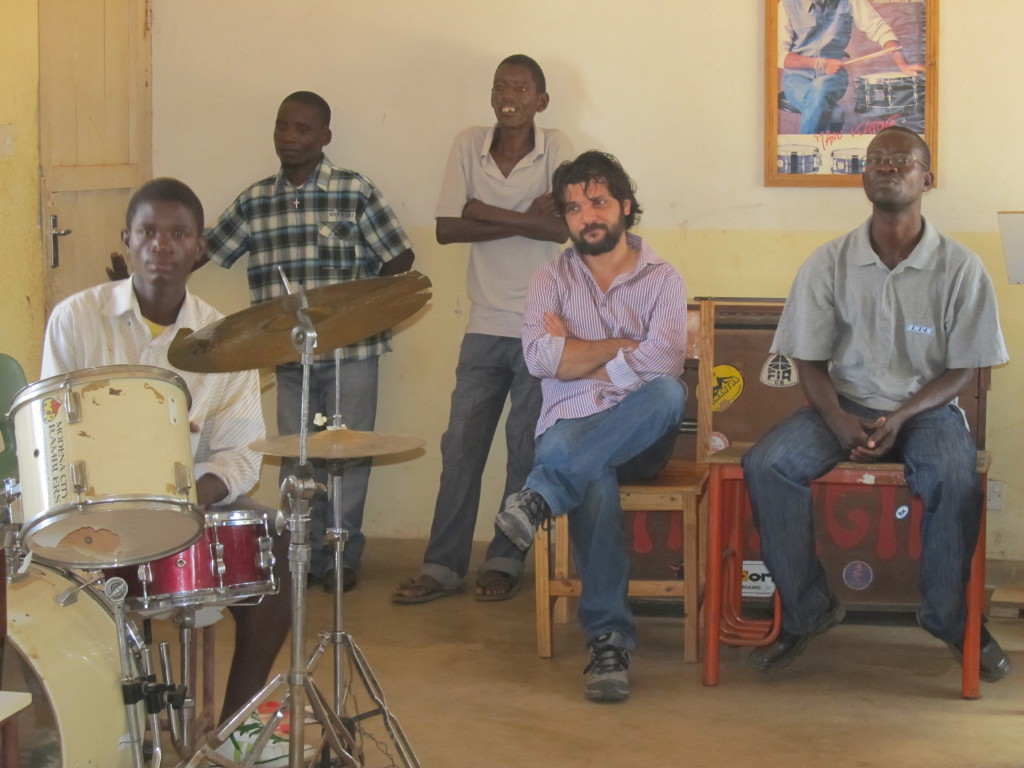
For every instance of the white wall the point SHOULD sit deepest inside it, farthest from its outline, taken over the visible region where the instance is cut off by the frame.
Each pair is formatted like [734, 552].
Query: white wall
[673, 87]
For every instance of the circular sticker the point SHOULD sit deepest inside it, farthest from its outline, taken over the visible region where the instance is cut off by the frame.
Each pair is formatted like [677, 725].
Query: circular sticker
[719, 442]
[902, 511]
[858, 575]
[727, 387]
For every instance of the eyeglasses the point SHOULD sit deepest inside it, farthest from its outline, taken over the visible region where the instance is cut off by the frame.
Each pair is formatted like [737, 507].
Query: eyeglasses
[900, 160]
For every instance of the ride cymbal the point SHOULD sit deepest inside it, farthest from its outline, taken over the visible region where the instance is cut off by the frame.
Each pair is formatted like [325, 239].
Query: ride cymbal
[338, 444]
[261, 336]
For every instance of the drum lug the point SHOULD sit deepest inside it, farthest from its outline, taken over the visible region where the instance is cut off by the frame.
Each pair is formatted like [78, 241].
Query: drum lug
[182, 478]
[267, 559]
[79, 476]
[218, 559]
[11, 494]
[72, 405]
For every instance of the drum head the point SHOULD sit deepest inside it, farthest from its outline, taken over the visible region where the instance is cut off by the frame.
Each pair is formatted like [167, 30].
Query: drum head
[67, 658]
[113, 533]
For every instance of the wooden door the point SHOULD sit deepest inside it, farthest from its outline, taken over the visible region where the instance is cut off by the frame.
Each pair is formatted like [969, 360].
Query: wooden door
[94, 131]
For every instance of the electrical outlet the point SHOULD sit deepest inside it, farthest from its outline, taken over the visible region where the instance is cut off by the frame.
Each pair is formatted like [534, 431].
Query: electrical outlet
[995, 494]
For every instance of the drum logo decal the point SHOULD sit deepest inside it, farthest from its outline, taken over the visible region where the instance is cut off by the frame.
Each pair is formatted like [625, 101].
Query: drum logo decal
[51, 407]
[779, 371]
[57, 466]
[727, 387]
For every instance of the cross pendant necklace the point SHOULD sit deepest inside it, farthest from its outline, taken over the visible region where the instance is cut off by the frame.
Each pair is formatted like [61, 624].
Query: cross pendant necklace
[296, 203]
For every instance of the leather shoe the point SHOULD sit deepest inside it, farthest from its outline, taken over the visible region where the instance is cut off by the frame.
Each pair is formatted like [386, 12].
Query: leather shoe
[349, 580]
[994, 664]
[787, 646]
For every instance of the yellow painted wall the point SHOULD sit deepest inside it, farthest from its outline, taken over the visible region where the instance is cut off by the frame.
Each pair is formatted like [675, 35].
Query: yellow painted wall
[21, 258]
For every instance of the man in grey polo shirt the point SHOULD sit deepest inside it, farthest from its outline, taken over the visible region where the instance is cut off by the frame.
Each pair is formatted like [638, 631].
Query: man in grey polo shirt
[886, 326]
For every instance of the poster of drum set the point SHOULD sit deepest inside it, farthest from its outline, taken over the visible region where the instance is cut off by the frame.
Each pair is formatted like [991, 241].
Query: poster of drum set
[836, 73]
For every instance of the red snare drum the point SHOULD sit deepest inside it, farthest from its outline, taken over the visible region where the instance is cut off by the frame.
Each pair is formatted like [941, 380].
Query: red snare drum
[187, 578]
[244, 547]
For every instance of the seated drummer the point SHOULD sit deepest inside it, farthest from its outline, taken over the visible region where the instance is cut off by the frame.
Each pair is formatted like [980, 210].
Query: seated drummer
[132, 322]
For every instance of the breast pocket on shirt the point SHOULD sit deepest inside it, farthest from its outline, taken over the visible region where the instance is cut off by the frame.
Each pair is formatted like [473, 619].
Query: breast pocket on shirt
[336, 243]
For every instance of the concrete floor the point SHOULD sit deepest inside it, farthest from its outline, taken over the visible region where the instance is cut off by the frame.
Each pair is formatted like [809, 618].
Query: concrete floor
[465, 683]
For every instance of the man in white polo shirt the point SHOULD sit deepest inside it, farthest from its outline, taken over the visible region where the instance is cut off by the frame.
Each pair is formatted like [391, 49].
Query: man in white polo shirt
[496, 196]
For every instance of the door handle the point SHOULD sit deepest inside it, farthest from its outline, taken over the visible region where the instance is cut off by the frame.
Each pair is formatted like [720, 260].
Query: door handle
[55, 235]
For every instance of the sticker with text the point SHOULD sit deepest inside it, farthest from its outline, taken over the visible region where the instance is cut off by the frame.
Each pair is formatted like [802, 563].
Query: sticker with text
[727, 388]
[779, 371]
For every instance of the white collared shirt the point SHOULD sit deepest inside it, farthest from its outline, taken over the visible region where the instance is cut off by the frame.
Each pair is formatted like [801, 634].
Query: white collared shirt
[103, 325]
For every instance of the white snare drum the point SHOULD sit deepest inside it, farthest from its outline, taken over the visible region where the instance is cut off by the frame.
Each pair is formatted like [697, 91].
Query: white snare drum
[849, 161]
[798, 158]
[890, 92]
[67, 658]
[106, 466]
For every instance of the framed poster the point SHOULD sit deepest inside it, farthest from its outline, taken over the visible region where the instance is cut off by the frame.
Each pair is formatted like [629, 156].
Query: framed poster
[836, 73]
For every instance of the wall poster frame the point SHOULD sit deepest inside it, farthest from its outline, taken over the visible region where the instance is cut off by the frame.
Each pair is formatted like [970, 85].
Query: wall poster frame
[820, 115]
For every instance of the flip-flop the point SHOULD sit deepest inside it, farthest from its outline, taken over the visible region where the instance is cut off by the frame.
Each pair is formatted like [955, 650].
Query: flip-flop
[489, 580]
[425, 588]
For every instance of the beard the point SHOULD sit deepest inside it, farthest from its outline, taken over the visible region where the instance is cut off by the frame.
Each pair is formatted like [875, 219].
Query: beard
[612, 236]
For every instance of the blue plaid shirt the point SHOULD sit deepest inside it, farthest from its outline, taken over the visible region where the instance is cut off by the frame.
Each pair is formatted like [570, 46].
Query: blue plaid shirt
[337, 226]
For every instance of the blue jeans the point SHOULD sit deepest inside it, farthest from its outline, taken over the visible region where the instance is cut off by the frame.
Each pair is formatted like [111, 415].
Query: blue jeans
[491, 370]
[577, 470]
[940, 460]
[814, 97]
[358, 411]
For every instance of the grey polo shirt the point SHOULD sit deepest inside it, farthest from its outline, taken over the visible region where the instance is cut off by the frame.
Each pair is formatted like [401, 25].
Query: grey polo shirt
[888, 333]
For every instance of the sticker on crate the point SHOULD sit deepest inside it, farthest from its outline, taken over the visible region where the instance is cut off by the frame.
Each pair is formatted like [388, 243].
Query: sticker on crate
[779, 371]
[726, 388]
[757, 581]
[858, 575]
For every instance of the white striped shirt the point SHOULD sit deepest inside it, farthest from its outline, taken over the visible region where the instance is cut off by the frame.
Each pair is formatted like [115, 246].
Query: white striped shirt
[647, 304]
[104, 326]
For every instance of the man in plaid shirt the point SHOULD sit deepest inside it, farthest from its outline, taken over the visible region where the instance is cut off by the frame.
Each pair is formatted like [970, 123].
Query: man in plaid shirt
[321, 224]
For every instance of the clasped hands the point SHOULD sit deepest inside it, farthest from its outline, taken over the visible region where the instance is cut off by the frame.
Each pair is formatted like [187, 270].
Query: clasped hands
[866, 441]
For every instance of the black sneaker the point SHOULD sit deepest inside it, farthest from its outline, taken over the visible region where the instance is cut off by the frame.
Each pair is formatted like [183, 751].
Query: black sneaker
[523, 514]
[608, 670]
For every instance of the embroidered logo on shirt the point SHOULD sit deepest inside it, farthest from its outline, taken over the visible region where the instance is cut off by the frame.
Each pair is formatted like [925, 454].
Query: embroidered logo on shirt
[926, 330]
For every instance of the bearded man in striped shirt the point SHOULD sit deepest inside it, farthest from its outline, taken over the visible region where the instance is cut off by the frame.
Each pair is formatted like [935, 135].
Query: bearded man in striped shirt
[605, 331]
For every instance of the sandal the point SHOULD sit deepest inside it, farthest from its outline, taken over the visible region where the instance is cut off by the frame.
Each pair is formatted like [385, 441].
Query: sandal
[493, 586]
[422, 589]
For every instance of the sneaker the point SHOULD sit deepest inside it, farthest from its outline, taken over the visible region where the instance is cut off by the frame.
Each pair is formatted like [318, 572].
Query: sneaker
[523, 514]
[275, 752]
[608, 670]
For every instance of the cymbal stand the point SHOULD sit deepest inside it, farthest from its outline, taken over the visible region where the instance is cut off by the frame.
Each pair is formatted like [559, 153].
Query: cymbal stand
[341, 640]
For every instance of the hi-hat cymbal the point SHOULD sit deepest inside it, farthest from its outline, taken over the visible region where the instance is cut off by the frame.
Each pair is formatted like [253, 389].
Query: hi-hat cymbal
[261, 336]
[338, 444]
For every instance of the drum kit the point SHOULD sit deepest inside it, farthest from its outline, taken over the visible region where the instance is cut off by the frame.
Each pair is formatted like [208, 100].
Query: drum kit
[105, 506]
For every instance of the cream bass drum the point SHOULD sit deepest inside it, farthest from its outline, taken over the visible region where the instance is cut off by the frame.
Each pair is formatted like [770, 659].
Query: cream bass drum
[67, 658]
